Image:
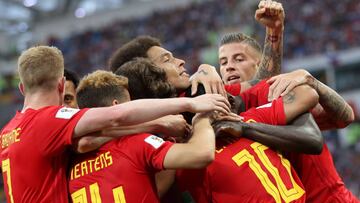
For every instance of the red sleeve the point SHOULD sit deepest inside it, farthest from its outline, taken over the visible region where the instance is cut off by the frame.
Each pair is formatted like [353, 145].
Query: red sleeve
[233, 89]
[256, 95]
[151, 151]
[55, 127]
[272, 113]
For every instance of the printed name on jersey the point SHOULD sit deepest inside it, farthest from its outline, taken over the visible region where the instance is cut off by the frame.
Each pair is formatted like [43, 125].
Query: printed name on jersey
[66, 113]
[154, 141]
[268, 105]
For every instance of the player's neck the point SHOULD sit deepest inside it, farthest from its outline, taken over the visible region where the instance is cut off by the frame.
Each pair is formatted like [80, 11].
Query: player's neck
[41, 99]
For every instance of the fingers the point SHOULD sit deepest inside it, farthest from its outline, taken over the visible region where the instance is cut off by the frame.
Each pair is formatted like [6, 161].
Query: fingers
[280, 88]
[222, 107]
[259, 13]
[288, 89]
[272, 89]
[208, 88]
[221, 89]
[194, 86]
[270, 8]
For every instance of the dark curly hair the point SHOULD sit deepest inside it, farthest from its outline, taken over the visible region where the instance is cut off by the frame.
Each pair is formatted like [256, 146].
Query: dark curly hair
[146, 80]
[137, 47]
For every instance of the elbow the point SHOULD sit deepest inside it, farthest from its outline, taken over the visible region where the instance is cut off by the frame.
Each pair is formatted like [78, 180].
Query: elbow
[84, 145]
[316, 143]
[317, 146]
[345, 122]
[205, 158]
[312, 96]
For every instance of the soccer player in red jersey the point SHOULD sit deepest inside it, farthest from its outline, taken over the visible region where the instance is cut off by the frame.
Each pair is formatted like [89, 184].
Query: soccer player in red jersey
[35, 143]
[123, 170]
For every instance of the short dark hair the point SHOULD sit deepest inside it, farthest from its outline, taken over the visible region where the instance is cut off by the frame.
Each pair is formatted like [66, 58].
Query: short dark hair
[100, 88]
[71, 76]
[146, 80]
[137, 47]
[238, 38]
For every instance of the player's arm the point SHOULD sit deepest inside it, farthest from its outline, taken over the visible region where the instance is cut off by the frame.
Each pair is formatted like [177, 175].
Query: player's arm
[199, 151]
[171, 125]
[331, 112]
[270, 14]
[139, 111]
[301, 135]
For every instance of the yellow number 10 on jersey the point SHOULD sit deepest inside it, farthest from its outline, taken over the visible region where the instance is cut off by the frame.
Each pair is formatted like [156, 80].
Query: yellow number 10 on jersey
[279, 191]
[80, 196]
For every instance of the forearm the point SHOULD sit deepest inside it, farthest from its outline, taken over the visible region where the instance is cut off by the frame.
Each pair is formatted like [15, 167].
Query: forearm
[335, 110]
[89, 143]
[138, 111]
[271, 60]
[198, 152]
[298, 101]
[302, 136]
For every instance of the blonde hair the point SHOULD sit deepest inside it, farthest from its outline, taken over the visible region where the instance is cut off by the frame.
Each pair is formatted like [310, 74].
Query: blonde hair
[40, 67]
[100, 88]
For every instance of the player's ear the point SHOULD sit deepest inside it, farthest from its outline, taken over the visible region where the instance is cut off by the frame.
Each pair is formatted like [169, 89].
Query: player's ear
[22, 88]
[61, 85]
[115, 102]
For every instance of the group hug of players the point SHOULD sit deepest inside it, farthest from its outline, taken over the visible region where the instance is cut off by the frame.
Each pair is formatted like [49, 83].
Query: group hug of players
[253, 137]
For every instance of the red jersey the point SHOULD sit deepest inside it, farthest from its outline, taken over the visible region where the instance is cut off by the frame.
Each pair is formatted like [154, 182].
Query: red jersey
[320, 178]
[34, 154]
[317, 172]
[246, 171]
[120, 171]
[253, 97]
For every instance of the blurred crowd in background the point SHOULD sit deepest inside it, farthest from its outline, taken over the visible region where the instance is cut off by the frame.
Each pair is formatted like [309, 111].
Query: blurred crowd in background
[311, 27]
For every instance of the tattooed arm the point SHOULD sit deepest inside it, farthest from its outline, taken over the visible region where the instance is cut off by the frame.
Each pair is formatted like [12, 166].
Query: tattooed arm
[300, 135]
[272, 15]
[332, 111]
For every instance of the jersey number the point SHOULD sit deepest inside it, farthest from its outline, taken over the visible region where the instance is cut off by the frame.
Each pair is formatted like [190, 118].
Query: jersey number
[279, 191]
[5, 165]
[80, 196]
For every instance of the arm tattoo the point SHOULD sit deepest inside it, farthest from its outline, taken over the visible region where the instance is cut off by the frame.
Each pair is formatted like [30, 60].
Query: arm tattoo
[289, 97]
[203, 72]
[271, 60]
[332, 102]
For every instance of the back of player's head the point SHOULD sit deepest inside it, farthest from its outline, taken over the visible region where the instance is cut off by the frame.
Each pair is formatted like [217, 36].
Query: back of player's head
[71, 76]
[137, 47]
[40, 67]
[240, 38]
[101, 88]
[146, 80]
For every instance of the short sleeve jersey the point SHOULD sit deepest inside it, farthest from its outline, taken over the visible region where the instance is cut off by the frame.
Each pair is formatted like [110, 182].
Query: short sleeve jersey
[246, 171]
[34, 154]
[120, 171]
[253, 97]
